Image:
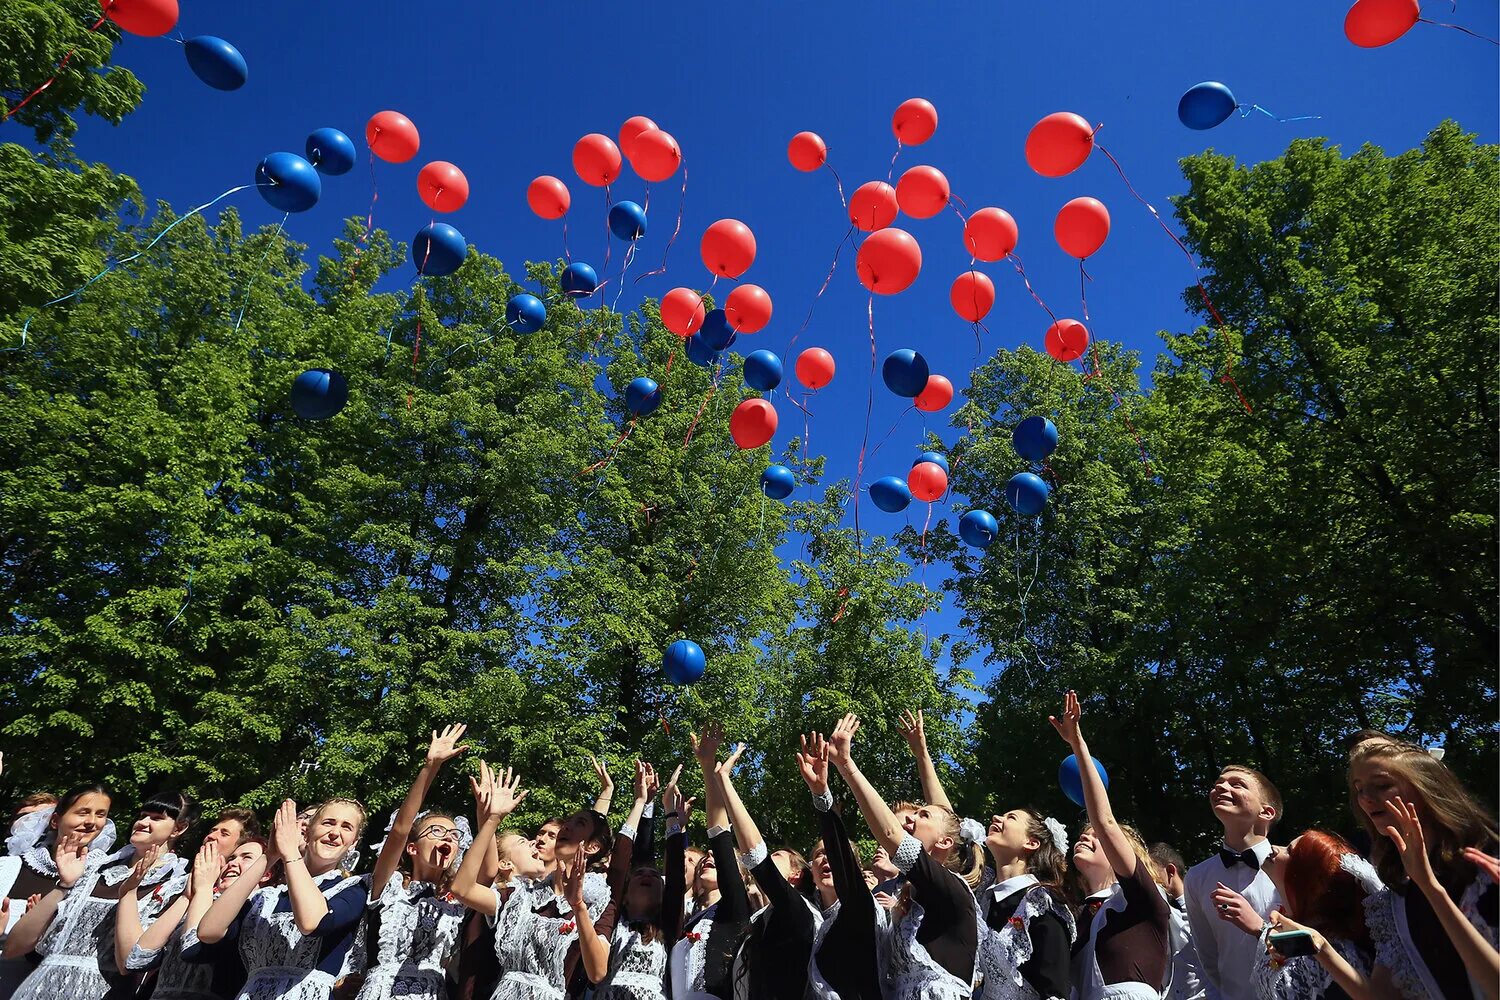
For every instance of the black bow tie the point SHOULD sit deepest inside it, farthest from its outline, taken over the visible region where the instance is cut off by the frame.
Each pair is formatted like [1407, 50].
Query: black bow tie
[1246, 858]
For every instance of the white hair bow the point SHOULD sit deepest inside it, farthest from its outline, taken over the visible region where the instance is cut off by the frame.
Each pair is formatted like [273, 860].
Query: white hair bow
[971, 831]
[1363, 872]
[1059, 834]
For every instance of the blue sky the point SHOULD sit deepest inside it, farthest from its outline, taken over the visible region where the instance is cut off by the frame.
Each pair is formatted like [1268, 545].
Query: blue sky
[504, 90]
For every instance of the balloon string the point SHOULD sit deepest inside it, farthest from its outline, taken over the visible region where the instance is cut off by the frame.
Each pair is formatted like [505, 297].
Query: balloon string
[1459, 27]
[894, 424]
[127, 259]
[1083, 288]
[1098, 373]
[826, 280]
[676, 230]
[416, 347]
[1021, 270]
[609, 243]
[53, 79]
[567, 254]
[270, 244]
[869, 409]
[894, 157]
[620, 282]
[806, 417]
[614, 450]
[713, 387]
[839, 183]
[925, 592]
[1226, 377]
[1246, 110]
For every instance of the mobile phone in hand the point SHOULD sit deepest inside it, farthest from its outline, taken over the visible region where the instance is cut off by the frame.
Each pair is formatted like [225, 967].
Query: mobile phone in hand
[1293, 944]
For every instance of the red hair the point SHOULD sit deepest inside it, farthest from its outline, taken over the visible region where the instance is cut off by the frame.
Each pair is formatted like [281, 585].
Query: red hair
[1320, 893]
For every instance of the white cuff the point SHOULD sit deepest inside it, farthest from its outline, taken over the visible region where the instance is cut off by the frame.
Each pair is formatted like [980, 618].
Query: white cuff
[627, 831]
[674, 826]
[649, 811]
[823, 803]
[907, 854]
[714, 831]
[755, 855]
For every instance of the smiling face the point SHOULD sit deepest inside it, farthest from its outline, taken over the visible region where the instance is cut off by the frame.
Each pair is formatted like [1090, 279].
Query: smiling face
[332, 831]
[577, 833]
[432, 847]
[85, 817]
[1373, 783]
[934, 828]
[690, 858]
[521, 856]
[1090, 861]
[643, 894]
[241, 858]
[154, 827]
[1009, 836]
[225, 834]
[546, 840]
[1237, 800]
[822, 869]
[706, 878]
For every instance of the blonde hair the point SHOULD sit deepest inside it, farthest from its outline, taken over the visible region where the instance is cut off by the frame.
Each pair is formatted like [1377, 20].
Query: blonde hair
[966, 860]
[337, 800]
[1263, 785]
[1453, 818]
[1139, 848]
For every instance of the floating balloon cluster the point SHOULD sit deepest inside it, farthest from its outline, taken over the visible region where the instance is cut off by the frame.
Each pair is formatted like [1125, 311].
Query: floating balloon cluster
[1034, 439]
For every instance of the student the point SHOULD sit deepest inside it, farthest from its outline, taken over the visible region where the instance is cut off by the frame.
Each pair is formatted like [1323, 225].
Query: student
[845, 963]
[1246, 805]
[72, 927]
[296, 939]
[1127, 950]
[773, 958]
[1029, 930]
[232, 827]
[413, 922]
[934, 940]
[1187, 971]
[1434, 926]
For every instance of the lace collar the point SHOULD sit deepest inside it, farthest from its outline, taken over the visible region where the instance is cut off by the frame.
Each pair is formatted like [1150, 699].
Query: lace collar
[116, 868]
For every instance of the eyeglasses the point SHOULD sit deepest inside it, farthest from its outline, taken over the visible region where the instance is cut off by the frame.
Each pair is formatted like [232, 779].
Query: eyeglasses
[438, 832]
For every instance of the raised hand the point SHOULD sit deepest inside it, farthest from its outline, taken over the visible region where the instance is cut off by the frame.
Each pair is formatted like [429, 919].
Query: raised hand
[140, 869]
[812, 761]
[706, 746]
[445, 745]
[910, 726]
[727, 765]
[31, 901]
[207, 867]
[1484, 862]
[1411, 842]
[1236, 909]
[507, 793]
[286, 833]
[841, 743]
[646, 782]
[72, 858]
[606, 783]
[1067, 726]
[672, 799]
[571, 873]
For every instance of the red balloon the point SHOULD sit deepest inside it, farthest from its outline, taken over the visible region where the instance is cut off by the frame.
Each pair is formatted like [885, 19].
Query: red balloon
[1067, 339]
[1371, 23]
[633, 127]
[914, 122]
[728, 248]
[872, 206]
[752, 423]
[142, 17]
[682, 311]
[888, 261]
[807, 151]
[392, 137]
[937, 395]
[548, 197]
[443, 186]
[748, 308]
[1058, 144]
[1082, 226]
[922, 192]
[656, 155]
[990, 234]
[927, 481]
[815, 368]
[596, 159]
[972, 295]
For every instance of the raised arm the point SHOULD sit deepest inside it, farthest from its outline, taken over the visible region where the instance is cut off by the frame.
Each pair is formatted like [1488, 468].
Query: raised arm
[72, 858]
[706, 749]
[1481, 960]
[882, 822]
[216, 923]
[1112, 838]
[911, 726]
[309, 906]
[848, 877]
[592, 947]
[498, 794]
[746, 834]
[674, 893]
[200, 897]
[128, 929]
[606, 786]
[620, 860]
[443, 748]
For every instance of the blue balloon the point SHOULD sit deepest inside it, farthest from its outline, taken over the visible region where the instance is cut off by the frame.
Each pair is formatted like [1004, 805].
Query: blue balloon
[525, 313]
[288, 182]
[978, 528]
[627, 220]
[1026, 493]
[1206, 105]
[1034, 438]
[684, 662]
[330, 151]
[935, 458]
[438, 249]
[905, 373]
[642, 396]
[777, 482]
[216, 62]
[762, 370]
[891, 494]
[1071, 780]
[318, 394]
[699, 353]
[579, 280]
[716, 331]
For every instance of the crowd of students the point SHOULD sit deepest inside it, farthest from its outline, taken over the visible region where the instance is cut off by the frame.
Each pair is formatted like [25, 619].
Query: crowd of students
[946, 909]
